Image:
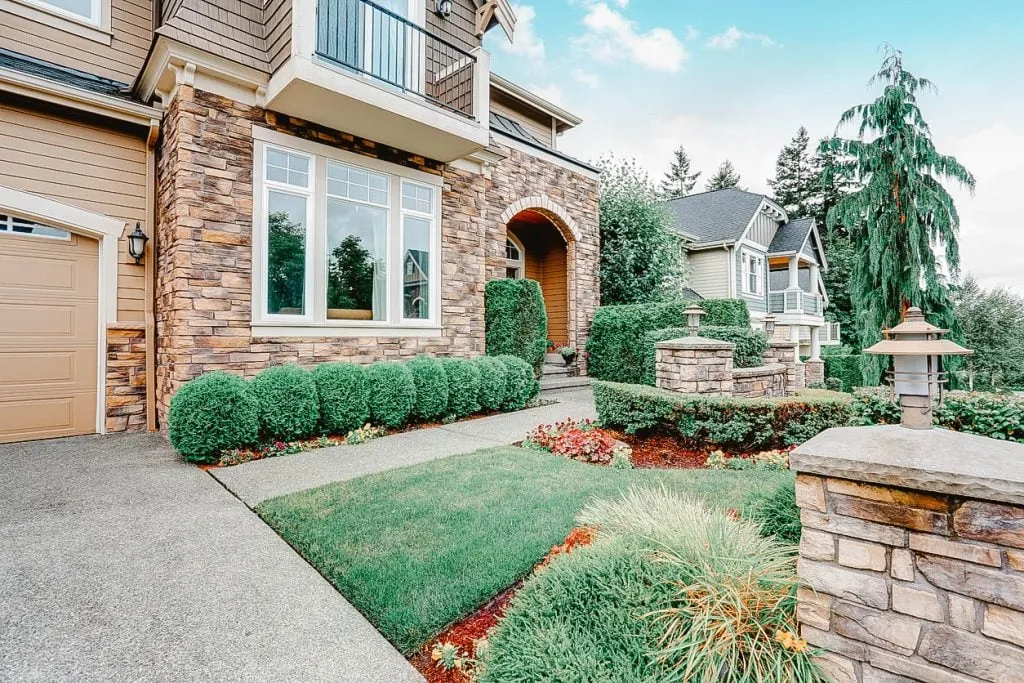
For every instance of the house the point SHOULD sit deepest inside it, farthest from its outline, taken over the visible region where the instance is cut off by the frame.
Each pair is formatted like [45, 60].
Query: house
[198, 185]
[743, 245]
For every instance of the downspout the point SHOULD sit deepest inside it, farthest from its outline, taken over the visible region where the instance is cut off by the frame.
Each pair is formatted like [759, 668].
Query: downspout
[732, 270]
[150, 296]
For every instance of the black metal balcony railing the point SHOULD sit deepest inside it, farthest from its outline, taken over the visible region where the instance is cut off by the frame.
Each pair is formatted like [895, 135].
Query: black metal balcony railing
[374, 41]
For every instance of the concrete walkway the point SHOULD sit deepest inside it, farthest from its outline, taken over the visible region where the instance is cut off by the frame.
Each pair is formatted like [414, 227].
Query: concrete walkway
[261, 480]
[120, 563]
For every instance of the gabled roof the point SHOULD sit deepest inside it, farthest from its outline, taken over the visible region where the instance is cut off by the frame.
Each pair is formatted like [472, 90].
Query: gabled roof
[491, 13]
[63, 74]
[790, 237]
[716, 216]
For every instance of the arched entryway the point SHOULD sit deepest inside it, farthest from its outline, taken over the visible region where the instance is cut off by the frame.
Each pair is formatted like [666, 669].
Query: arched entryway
[540, 247]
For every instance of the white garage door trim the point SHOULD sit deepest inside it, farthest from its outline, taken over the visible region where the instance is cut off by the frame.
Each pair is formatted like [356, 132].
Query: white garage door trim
[91, 224]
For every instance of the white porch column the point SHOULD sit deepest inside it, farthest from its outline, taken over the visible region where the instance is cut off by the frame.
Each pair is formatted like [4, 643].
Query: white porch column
[794, 336]
[794, 272]
[813, 288]
[815, 343]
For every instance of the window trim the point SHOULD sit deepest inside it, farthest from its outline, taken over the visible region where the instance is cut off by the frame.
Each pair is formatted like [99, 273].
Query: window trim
[96, 27]
[317, 324]
[745, 257]
[520, 263]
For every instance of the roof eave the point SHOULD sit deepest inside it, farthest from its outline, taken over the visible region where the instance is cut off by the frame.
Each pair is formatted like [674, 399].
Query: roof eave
[566, 119]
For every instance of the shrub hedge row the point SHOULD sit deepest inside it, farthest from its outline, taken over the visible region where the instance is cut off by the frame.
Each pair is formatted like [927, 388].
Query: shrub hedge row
[516, 320]
[615, 350]
[844, 367]
[749, 353]
[220, 411]
[997, 416]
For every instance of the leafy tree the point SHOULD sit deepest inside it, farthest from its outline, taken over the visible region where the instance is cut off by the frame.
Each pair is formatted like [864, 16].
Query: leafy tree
[641, 255]
[286, 263]
[992, 322]
[679, 181]
[795, 181]
[726, 176]
[350, 276]
[901, 213]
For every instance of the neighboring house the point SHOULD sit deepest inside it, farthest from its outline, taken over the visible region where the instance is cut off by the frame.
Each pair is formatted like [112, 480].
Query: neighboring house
[319, 181]
[743, 245]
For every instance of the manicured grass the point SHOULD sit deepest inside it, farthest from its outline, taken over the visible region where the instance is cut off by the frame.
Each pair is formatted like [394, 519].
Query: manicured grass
[415, 549]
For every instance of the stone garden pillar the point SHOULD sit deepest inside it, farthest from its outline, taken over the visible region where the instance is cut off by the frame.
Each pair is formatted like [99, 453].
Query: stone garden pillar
[695, 365]
[913, 553]
[787, 353]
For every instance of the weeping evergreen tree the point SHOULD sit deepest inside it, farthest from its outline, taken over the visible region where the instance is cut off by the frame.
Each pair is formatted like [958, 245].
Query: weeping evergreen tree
[901, 215]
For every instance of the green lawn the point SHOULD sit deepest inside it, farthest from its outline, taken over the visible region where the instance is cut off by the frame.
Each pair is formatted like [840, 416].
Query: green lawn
[415, 549]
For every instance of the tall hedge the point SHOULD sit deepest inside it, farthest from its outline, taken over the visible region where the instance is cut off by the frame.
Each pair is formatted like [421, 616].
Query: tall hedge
[846, 368]
[431, 388]
[615, 349]
[749, 352]
[392, 393]
[516, 320]
[213, 413]
[288, 403]
[344, 396]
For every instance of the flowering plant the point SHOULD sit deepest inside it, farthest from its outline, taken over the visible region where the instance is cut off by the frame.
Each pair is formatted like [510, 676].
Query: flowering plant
[579, 440]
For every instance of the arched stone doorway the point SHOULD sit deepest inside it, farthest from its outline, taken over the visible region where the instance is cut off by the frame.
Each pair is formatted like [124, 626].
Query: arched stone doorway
[541, 246]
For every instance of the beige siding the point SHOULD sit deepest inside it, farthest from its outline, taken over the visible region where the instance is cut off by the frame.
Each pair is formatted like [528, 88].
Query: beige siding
[277, 26]
[460, 28]
[88, 164]
[131, 23]
[540, 127]
[232, 29]
[709, 273]
[763, 230]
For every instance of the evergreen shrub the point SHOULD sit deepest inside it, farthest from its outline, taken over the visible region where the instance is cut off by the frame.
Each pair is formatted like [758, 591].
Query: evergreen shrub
[516, 320]
[344, 397]
[392, 393]
[463, 386]
[493, 382]
[431, 382]
[288, 403]
[521, 386]
[212, 413]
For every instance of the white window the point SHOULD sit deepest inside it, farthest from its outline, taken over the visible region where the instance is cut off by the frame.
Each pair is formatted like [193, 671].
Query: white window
[345, 244]
[515, 259]
[87, 15]
[753, 273]
[19, 226]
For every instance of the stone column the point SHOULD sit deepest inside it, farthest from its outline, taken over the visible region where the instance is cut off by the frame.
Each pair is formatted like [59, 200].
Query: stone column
[815, 367]
[913, 554]
[788, 354]
[695, 365]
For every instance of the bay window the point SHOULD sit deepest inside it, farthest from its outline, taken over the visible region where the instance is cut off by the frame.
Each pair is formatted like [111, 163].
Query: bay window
[343, 245]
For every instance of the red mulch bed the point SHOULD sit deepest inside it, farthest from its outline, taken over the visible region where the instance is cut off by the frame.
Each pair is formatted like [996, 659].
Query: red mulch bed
[661, 451]
[464, 634]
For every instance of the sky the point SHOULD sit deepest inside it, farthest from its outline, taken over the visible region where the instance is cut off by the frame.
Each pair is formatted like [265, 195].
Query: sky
[735, 79]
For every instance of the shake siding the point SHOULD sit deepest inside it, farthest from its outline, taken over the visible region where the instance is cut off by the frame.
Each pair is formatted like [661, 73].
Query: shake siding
[460, 28]
[232, 29]
[756, 303]
[278, 32]
[763, 230]
[92, 165]
[709, 273]
[131, 24]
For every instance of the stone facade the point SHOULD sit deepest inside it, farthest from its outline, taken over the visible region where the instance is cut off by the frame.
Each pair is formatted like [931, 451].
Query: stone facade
[126, 378]
[917, 582]
[765, 381]
[701, 366]
[204, 244]
[815, 372]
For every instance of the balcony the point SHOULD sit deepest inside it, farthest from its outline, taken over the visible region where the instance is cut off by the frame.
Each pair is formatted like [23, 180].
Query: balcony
[795, 301]
[362, 69]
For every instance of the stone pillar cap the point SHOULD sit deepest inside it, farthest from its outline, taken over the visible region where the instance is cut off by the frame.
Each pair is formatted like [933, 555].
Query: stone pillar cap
[696, 344]
[935, 460]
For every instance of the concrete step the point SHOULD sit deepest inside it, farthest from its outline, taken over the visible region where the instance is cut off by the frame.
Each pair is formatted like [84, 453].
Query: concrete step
[552, 385]
[551, 369]
[553, 358]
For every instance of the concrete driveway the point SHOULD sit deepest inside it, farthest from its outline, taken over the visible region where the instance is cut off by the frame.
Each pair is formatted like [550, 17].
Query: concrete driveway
[118, 562]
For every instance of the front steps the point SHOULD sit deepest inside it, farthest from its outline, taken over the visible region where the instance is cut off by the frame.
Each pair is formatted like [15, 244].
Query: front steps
[557, 376]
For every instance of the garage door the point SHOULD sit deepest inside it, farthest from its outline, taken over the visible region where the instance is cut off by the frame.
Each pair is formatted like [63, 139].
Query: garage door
[48, 331]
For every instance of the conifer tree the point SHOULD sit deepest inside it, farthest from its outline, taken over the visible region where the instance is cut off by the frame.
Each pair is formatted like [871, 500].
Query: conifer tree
[794, 183]
[678, 181]
[901, 214]
[725, 177]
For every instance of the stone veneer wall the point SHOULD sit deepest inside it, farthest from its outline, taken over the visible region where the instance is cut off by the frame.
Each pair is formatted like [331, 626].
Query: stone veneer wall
[702, 366]
[815, 372]
[125, 402]
[204, 260]
[765, 381]
[913, 548]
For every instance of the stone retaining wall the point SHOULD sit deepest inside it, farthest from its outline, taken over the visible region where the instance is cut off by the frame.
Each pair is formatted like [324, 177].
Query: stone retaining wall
[765, 381]
[126, 378]
[701, 366]
[913, 551]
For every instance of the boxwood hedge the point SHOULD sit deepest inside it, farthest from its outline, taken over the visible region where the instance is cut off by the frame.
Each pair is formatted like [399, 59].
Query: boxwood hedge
[392, 393]
[344, 397]
[213, 413]
[516, 320]
[288, 402]
[846, 368]
[463, 386]
[521, 386]
[431, 382]
[493, 382]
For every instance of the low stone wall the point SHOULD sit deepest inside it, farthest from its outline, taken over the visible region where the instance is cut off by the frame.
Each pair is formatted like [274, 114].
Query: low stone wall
[761, 382]
[126, 378]
[913, 551]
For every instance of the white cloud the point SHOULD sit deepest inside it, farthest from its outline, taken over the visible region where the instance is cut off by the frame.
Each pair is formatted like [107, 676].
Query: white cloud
[692, 33]
[611, 37]
[527, 43]
[587, 78]
[552, 93]
[732, 37]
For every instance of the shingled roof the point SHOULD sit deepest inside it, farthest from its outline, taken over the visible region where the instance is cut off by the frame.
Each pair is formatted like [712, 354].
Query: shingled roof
[791, 236]
[717, 216]
[63, 74]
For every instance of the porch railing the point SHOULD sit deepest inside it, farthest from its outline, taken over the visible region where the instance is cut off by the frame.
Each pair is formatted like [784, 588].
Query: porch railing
[380, 44]
[794, 301]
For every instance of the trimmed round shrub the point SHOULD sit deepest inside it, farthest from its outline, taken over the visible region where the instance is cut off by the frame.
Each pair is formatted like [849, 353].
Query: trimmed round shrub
[392, 393]
[213, 413]
[522, 385]
[344, 397]
[463, 386]
[493, 382]
[431, 388]
[288, 403]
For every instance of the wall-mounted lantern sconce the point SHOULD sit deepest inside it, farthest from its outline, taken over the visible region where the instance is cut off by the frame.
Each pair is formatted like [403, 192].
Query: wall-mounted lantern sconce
[769, 325]
[137, 243]
[443, 8]
[693, 315]
[917, 378]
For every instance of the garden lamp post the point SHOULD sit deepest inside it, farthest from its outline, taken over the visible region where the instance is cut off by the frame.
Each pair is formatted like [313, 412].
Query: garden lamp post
[693, 315]
[769, 325]
[917, 378]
